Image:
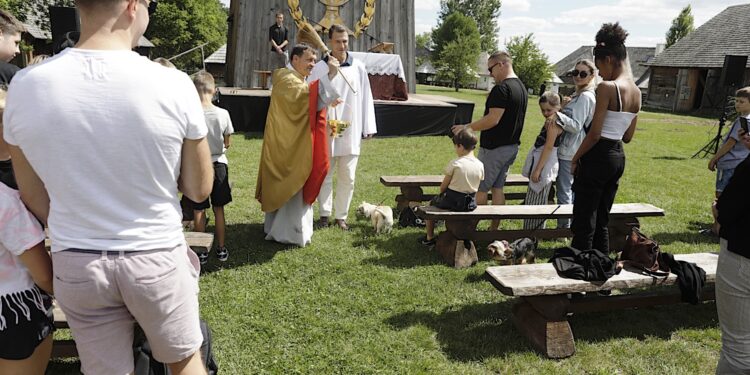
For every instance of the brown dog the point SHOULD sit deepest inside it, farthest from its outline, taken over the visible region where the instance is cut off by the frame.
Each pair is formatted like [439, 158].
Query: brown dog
[520, 251]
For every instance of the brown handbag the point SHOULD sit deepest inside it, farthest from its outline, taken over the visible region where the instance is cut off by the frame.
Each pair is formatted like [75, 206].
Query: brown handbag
[643, 253]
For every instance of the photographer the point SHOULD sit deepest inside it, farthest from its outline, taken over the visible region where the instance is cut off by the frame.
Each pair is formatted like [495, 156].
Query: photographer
[733, 270]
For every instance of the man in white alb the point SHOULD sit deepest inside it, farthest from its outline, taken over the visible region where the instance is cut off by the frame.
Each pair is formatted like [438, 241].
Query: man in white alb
[359, 110]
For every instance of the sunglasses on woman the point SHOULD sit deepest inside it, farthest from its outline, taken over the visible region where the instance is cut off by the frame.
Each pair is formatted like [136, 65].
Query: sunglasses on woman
[579, 73]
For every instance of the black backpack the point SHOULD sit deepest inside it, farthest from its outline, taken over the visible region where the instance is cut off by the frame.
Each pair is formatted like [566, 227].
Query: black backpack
[146, 364]
[407, 218]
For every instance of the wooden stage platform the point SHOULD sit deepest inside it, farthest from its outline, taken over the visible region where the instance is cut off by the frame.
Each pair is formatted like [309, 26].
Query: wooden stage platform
[419, 115]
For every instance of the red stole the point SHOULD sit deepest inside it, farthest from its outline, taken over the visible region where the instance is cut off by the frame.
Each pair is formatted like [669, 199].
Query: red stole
[320, 156]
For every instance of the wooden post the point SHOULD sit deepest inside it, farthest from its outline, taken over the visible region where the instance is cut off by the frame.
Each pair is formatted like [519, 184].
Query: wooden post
[454, 244]
[544, 322]
[408, 195]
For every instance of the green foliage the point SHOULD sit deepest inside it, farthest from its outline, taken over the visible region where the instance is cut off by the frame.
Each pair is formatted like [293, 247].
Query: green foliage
[529, 62]
[179, 25]
[355, 303]
[681, 26]
[456, 49]
[483, 12]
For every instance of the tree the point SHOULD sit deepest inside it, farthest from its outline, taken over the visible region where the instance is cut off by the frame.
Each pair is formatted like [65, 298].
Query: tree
[457, 49]
[179, 25]
[483, 12]
[529, 62]
[681, 26]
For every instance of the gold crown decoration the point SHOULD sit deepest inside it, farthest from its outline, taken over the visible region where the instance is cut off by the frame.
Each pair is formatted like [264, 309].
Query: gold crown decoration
[364, 20]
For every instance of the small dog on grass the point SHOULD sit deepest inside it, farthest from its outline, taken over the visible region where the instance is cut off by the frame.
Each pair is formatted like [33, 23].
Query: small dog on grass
[381, 216]
[520, 251]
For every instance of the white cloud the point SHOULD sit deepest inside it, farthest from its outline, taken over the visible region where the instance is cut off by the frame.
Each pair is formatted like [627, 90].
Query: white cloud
[517, 5]
[420, 28]
[522, 25]
[427, 5]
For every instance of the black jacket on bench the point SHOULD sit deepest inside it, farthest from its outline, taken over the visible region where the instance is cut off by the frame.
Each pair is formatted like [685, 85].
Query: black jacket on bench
[734, 211]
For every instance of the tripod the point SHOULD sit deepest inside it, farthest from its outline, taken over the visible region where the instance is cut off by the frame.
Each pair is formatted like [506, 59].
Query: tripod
[713, 146]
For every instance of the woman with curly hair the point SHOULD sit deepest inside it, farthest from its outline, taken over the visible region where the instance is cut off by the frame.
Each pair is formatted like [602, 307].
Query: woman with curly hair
[600, 160]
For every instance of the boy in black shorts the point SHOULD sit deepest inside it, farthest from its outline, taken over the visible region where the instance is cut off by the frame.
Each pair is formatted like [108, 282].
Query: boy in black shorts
[219, 129]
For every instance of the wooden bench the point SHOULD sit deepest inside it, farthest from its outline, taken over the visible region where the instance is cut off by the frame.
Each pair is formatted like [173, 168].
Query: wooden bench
[541, 312]
[412, 188]
[67, 348]
[462, 226]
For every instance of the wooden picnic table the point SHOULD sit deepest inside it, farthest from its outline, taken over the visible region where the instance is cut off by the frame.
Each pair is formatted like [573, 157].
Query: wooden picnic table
[412, 188]
[461, 227]
[545, 301]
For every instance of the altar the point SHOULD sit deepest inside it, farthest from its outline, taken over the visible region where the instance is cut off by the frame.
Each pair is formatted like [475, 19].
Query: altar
[386, 73]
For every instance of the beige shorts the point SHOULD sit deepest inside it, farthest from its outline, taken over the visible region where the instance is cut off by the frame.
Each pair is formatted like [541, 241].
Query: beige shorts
[103, 294]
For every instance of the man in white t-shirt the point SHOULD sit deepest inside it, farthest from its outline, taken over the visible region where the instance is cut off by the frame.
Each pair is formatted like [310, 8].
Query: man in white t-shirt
[101, 140]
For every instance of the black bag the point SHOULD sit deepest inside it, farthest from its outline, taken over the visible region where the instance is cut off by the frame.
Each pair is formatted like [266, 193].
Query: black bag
[146, 364]
[407, 218]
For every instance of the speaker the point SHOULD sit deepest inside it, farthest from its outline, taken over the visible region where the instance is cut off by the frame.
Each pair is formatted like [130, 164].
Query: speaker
[62, 21]
[733, 73]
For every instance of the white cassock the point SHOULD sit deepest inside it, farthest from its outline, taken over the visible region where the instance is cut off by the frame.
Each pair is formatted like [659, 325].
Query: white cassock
[293, 222]
[359, 110]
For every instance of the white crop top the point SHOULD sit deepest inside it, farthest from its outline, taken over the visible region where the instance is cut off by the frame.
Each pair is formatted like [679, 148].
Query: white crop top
[616, 123]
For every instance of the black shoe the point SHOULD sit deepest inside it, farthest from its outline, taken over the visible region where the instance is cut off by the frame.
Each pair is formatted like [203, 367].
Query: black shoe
[321, 223]
[424, 241]
[342, 224]
[222, 253]
[203, 257]
[708, 232]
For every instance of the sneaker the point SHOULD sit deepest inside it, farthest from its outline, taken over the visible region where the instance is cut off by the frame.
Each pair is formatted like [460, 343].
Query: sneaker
[203, 257]
[321, 223]
[424, 241]
[222, 253]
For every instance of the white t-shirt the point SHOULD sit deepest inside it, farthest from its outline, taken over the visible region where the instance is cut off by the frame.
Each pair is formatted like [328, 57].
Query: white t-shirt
[19, 231]
[104, 131]
[219, 124]
[466, 173]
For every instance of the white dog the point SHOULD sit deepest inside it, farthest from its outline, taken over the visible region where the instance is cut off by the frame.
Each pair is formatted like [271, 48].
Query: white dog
[381, 216]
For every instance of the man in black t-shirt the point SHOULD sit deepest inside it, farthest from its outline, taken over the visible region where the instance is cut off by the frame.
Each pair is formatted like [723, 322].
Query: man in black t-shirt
[277, 34]
[501, 126]
[10, 37]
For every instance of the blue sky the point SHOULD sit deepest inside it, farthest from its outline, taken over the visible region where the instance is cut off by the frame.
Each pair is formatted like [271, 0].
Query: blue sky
[562, 26]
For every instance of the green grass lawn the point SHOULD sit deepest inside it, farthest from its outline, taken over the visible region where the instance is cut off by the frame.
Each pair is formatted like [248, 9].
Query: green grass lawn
[356, 303]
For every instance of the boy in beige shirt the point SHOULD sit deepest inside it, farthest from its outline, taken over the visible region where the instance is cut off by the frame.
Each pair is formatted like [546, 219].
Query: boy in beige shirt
[461, 181]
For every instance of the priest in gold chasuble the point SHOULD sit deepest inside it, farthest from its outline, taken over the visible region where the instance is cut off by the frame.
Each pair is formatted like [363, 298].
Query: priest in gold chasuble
[295, 156]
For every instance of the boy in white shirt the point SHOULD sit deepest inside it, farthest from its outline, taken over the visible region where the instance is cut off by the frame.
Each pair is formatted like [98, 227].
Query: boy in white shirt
[461, 182]
[219, 129]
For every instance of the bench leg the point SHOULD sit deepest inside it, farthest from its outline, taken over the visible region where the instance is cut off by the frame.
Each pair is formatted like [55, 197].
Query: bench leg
[454, 252]
[408, 195]
[543, 321]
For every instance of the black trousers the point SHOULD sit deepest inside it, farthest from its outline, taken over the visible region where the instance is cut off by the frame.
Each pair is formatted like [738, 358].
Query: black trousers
[595, 186]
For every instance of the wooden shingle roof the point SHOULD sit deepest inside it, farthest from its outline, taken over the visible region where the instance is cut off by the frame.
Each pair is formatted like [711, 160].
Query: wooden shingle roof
[725, 34]
[639, 56]
[32, 27]
[218, 57]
